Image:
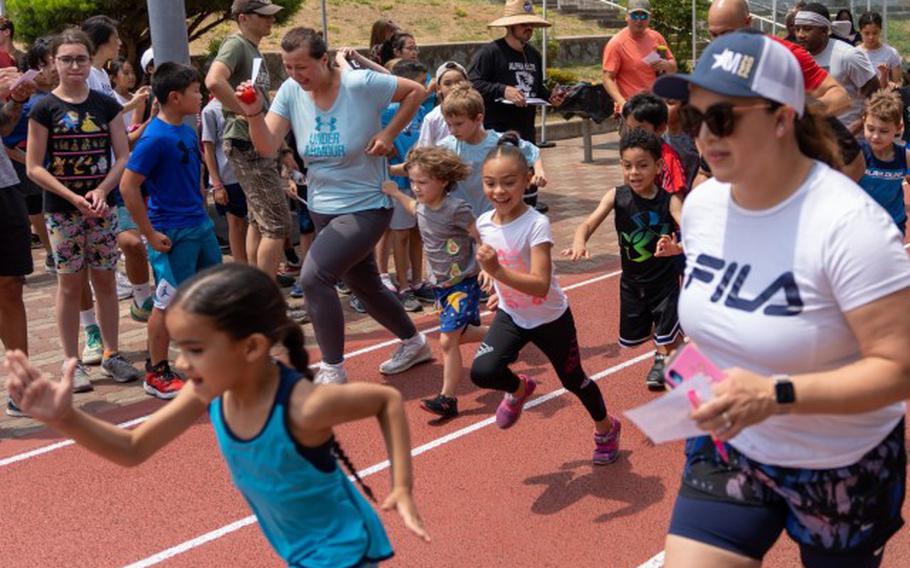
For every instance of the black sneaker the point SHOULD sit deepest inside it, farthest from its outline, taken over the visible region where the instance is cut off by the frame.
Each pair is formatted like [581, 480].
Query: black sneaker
[284, 280]
[13, 410]
[343, 289]
[655, 378]
[409, 301]
[425, 293]
[441, 405]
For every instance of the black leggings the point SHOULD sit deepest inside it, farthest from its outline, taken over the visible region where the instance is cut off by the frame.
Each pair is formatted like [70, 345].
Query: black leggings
[559, 342]
[343, 250]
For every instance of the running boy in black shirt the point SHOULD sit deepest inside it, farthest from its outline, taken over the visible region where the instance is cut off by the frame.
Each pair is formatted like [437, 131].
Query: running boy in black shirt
[649, 286]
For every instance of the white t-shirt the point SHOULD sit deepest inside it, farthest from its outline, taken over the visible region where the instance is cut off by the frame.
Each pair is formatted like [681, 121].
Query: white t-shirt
[852, 69]
[127, 116]
[884, 55]
[513, 243]
[767, 291]
[99, 80]
[433, 129]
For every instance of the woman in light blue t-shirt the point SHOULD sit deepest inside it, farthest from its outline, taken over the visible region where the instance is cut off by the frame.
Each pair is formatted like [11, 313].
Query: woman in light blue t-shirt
[335, 116]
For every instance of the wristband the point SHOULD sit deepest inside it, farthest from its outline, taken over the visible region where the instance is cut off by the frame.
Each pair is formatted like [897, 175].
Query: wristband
[257, 113]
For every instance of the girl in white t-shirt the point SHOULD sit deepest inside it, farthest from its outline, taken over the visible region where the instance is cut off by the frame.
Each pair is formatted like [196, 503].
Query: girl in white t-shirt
[532, 308]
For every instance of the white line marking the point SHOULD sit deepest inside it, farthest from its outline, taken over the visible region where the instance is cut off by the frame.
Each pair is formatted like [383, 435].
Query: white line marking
[657, 561]
[65, 443]
[376, 468]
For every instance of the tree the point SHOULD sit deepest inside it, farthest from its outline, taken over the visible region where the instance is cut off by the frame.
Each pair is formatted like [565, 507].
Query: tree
[673, 19]
[35, 18]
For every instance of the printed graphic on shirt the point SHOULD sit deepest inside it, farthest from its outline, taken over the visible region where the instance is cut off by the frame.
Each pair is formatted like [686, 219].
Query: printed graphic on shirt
[510, 297]
[80, 150]
[524, 77]
[325, 139]
[707, 267]
[635, 245]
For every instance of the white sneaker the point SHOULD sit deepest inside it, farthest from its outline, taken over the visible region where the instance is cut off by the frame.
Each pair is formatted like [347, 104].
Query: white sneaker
[407, 355]
[331, 375]
[124, 287]
[82, 380]
[387, 280]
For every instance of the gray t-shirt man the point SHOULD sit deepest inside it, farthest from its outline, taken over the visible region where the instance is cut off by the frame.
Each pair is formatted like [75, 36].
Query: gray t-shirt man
[446, 239]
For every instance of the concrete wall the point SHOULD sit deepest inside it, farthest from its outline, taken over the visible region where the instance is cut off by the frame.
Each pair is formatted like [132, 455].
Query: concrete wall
[577, 50]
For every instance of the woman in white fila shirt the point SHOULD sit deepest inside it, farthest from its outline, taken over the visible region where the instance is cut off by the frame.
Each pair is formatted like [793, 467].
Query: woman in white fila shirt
[798, 286]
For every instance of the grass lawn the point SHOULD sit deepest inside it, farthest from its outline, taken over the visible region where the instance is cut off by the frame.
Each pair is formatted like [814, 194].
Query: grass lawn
[431, 21]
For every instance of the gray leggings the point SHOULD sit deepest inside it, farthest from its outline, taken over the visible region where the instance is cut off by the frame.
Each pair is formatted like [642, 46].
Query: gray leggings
[343, 250]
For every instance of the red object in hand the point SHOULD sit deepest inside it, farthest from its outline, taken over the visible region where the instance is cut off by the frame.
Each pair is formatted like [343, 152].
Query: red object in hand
[248, 95]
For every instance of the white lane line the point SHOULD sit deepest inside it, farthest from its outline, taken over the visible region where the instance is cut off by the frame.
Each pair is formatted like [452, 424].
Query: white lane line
[376, 468]
[65, 443]
[656, 561]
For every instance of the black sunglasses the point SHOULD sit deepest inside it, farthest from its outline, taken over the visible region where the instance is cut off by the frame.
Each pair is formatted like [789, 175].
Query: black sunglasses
[720, 118]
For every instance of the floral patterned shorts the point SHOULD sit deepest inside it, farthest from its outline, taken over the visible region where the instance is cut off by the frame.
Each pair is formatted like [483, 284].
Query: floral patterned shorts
[83, 242]
[839, 517]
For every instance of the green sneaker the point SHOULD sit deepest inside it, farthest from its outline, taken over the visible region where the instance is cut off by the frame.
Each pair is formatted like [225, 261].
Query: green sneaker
[94, 348]
[141, 313]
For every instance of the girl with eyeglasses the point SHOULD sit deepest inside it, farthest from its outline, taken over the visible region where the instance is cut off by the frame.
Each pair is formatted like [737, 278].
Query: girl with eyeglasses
[71, 135]
[797, 284]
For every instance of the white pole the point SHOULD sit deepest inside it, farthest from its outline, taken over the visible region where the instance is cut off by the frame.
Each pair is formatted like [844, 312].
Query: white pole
[694, 34]
[2, 7]
[774, 17]
[543, 74]
[325, 24]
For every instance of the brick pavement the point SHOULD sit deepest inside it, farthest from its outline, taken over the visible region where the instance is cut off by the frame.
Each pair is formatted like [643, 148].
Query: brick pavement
[574, 191]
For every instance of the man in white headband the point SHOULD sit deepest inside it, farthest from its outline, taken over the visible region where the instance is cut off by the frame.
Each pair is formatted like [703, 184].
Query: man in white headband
[849, 66]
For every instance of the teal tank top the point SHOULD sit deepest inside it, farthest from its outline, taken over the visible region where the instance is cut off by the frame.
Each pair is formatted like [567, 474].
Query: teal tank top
[307, 507]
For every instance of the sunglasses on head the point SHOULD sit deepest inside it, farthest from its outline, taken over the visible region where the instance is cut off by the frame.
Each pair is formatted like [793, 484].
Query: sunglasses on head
[639, 16]
[720, 118]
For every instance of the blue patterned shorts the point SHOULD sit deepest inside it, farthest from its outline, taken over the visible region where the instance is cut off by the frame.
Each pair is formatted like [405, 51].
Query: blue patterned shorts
[459, 305]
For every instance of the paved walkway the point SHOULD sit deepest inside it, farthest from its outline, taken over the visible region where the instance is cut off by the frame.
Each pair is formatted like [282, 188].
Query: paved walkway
[574, 191]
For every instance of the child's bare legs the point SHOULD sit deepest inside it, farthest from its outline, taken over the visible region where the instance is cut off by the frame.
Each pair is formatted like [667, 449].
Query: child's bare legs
[666, 350]
[450, 342]
[134, 259]
[237, 237]
[71, 295]
[252, 244]
[159, 339]
[401, 248]
[383, 251]
[415, 256]
[105, 287]
[40, 229]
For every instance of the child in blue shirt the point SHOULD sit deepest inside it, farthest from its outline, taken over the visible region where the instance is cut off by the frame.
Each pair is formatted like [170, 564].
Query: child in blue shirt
[180, 235]
[886, 161]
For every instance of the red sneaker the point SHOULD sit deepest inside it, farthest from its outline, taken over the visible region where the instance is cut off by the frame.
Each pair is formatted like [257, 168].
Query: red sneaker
[161, 381]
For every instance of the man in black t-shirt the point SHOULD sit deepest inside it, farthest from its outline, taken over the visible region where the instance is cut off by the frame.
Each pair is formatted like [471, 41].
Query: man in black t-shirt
[508, 72]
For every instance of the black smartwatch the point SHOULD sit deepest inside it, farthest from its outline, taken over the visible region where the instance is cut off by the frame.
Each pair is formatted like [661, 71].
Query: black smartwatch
[784, 392]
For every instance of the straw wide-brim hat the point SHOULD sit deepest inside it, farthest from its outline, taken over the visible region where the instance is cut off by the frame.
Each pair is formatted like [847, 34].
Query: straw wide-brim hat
[519, 12]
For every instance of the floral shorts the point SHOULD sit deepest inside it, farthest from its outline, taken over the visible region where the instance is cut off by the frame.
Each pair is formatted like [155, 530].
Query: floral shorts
[83, 242]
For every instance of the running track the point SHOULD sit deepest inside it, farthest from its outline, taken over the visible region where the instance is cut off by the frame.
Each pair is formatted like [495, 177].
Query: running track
[525, 497]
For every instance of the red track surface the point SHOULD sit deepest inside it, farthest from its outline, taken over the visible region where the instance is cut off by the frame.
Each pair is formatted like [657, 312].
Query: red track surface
[525, 497]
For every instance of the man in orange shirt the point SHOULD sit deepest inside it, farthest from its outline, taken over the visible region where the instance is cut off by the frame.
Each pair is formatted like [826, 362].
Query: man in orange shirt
[635, 56]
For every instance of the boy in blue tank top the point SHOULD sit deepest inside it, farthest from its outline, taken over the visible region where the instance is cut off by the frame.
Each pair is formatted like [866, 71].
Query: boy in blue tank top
[886, 161]
[644, 213]
[181, 239]
[273, 425]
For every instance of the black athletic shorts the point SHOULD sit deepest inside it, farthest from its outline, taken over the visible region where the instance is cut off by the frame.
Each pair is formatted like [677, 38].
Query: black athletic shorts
[15, 234]
[645, 314]
[840, 517]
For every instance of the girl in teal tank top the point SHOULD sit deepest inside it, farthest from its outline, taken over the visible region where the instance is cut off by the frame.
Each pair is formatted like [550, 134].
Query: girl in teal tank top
[273, 425]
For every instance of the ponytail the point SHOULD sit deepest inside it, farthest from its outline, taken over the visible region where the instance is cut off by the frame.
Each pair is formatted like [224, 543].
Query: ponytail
[293, 342]
[508, 145]
[343, 458]
[817, 139]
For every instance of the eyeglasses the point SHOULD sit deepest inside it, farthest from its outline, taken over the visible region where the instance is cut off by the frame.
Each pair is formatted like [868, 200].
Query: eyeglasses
[720, 118]
[639, 16]
[79, 60]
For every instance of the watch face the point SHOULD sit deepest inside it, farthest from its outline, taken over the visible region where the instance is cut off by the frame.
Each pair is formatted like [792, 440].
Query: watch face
[784, 391]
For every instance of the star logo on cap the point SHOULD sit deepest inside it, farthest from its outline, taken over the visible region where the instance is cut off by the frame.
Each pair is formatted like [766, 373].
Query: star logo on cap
[733, 62]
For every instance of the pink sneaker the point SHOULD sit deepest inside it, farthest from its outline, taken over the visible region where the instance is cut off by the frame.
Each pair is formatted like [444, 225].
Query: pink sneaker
[606, 446]
[509, 410]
